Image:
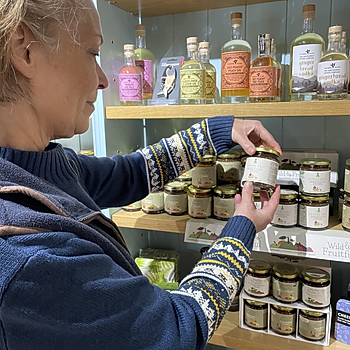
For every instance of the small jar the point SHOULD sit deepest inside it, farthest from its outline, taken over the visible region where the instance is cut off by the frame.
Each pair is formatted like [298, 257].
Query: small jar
[153, 203]
[347, 178]
[346, 213]
[224, 201]
[285, 283]
[315, 176]
[257, 279]
[314, 212]
[229, 168]
[262, 169]
[312, 325]
[133, 207]
[175, 198]
[187, 176]
[204, 174]
[199, 202]
[283, 319]
[340, 204]
[257, 200]
[286, 214]
[255, 314]
[316, 288]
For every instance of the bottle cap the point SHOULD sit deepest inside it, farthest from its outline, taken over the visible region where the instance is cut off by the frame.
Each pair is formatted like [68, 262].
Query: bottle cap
[204, 45]
[309, 11]
[192, 40]
[335, 30]
[140, 30]
[128, 47]
[236, 19]
[267, 36]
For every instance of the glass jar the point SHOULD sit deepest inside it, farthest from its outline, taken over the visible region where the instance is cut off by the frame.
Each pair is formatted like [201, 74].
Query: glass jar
[316, 288]
[133, 207]
[153, 203]
[257, 279]
[285, 283]
[340, 204]
[199, 202]
[187, 176]
[314, 212]
[262, 169]
[312, 325]
[175, 198]
[255, 314]
[346, 213]
[224, 201]
[315, 176]
[286, 214]
[347, 178]
[229, 168]
[204, 174]
[283, 319]
[257, 200]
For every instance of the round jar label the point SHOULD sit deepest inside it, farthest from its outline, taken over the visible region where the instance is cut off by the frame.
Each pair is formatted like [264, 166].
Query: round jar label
[229, 172]
[281, 323]
[347, 181]
[175, 203]
[285, 291]
[153, 202]
[313, 217]
[256, 286]
[224, 208]
[199, 207]
[286, 215]
[310, 329]
[312, 182]
[317, 297]
[204, 176]
[255, 318]
[346, 216]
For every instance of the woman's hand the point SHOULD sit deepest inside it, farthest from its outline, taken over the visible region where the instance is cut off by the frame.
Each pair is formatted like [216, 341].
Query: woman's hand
[250, 134]
[260, 217]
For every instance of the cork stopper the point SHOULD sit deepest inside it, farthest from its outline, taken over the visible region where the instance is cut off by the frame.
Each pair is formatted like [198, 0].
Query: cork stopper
[128, 47]
[343, 34]
[192, 40]
[309, 11]
[335, 30]
[267, 36]
[236, 19]
[204, 45]
[140, 30]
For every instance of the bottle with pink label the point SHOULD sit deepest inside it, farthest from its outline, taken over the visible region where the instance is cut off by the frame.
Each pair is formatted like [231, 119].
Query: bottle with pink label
[130, 80]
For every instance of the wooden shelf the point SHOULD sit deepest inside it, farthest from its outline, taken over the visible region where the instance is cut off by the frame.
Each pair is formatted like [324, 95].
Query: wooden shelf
[239, 110]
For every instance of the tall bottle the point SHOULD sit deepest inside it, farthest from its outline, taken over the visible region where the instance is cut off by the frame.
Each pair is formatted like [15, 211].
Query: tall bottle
[192, 76]
[130, 80]
[235, 58]
[144, 59]
[305, 53]
[333, 69]
[210, 78]
[263, 75]
[279, 68]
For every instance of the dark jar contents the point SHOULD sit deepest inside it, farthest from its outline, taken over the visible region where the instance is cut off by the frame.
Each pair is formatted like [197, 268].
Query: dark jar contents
[257, 279]
[175, 198]
[262, 169]
[153, 203]
[312, 325]
[340, 204]
[314, 212]
[345, 221]
[255, 314]
[224, 202]
[204, 174]
[229, 168]
[199, 202]
[286, 214]
[285, 282]
[133, 207]
[347, 178]
[283, 319]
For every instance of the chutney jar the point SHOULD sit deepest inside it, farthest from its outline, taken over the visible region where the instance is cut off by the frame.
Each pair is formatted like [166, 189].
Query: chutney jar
[257, 279]
[204, 174]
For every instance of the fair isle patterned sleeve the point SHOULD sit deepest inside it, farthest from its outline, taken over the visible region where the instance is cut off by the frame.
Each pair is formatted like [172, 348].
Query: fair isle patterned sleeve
[214, 281]
[175, 155]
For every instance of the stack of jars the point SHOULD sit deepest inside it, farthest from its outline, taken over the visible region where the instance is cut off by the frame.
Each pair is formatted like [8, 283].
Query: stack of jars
[344, 199]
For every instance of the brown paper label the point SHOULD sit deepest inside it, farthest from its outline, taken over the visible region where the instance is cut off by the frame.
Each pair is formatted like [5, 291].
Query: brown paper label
[263, 81]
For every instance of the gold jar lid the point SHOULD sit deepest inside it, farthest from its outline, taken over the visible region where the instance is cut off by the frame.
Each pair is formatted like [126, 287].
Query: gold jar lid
[324, 197]
[346, 198]
[312, 313]
[86, 152]
[341, 190]
[259, 266]
[256, 195]
[234, 155]
[348, 162]
[255, 303]
[315, 161]
[175, 186]
[193, 189]
[316, 275]
[226, 189]
[285, 271]
[288, 194]
[267, 150]
[283, 308]
[208, 158]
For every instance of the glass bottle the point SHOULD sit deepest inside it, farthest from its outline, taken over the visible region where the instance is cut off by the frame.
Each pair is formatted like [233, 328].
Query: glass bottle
[344, 42]
[210, 79]
[130, 80]
[333, 69]
[144, 60]
[235, 57]
[192, 76]
[305, 53]
[263, 73]
[273, 47]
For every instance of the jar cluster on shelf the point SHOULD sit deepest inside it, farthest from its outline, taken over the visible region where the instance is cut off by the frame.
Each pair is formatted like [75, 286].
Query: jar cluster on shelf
[344, 199]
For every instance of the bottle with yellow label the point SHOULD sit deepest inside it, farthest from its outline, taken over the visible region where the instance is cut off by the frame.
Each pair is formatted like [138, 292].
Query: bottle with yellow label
[193, 76]
[204, 57]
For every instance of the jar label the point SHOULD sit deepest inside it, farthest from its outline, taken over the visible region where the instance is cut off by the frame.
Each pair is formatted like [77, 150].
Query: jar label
[257, 286]
[333, 77]
[347, 181]
[304, 70]
[261, 170]
[175, 203]
[130, 87]
[257, 204]
[263, 81]
[146, 67]
[210, 82]
[199, 207]
[285, 291]
[204, 176]
[315, 181]
[224, 207]
[317, 297]
[229, 172]
[313, 217]
[153, 202]
[134, 206]
[281, 323]
[255, 318]
[235, 70]
[192, 84]
[346, 216]
[286, 215]
[312, 329]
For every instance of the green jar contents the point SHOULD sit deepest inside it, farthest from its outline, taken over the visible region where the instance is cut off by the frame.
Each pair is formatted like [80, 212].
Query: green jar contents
[224, 201]
[285, 283]
[255, 314]
[347, 178]
[229, 168]
[314, 212]
[133, 207]
[312, 325]
[204, 174]
[283, 319]
[175, 198]
[153, 203]
[316, 288]
[257, 279]
[286, 214]
[199, 202]
[345, 221]
[340, 204]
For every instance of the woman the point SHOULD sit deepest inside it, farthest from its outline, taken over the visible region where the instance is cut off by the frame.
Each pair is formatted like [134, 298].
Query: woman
[67, 280]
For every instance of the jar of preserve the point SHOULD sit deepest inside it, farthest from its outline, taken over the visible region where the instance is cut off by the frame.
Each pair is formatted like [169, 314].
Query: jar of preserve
[255, 314]
[314, 212]
[153, 203]
[316, 288]
[286, 214]
[199, 202]
[285, 283]
[204, 174]
[229, 168]
[187, 176]
[312, 325]
[283, 319]
[262, 169]
[347, 177]
[257, 279]
[315, 176]
[175, 198]
[346, 213]
[257, 200]
[340, 203]
[133, 207]
[224, 201]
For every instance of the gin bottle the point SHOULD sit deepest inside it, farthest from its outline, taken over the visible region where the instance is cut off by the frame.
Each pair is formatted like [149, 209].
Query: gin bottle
[204, 57]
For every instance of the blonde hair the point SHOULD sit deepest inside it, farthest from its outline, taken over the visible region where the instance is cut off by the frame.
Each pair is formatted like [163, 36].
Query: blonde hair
[42, 17]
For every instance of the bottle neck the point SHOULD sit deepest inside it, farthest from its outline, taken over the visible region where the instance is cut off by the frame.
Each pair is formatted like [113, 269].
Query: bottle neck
[204, 57]
[192, 55]
[236, 32]
[308, 25]
[263, 49]
[129, 60]
[334, 43]
[140, 42]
